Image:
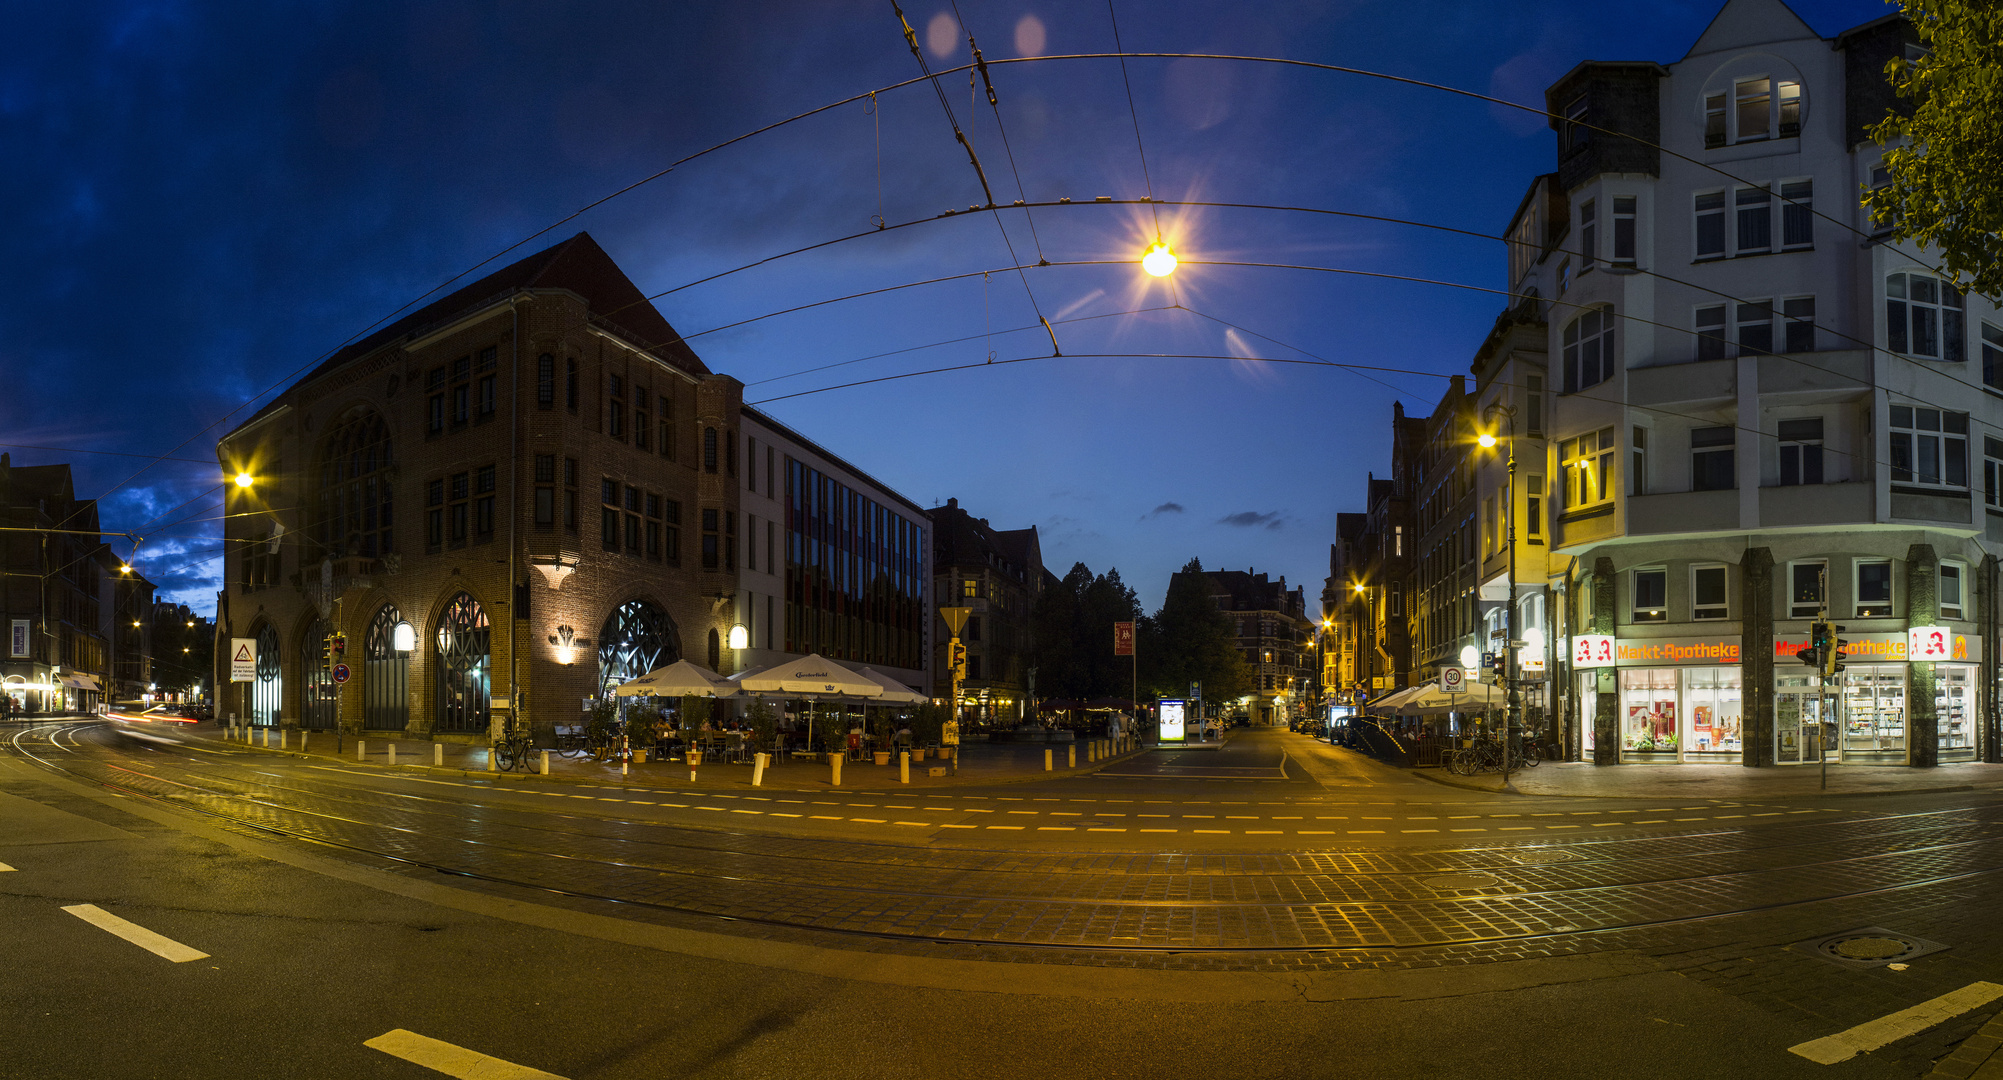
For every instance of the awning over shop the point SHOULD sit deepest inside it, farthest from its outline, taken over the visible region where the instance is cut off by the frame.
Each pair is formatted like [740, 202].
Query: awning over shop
[78, 680]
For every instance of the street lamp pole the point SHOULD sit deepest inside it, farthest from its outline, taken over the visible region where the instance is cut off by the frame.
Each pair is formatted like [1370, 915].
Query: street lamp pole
[1513, 717]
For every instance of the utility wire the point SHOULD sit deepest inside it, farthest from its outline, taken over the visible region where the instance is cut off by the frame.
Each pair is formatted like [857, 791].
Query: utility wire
[957, 341]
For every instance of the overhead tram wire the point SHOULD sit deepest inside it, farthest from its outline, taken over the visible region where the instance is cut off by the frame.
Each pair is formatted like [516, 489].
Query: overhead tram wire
[1008, 149]
[918, 54]
[959, 341]
[1147, 177]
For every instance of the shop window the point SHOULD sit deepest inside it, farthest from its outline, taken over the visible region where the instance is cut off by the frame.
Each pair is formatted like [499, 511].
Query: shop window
[1707, 592]
[1650, 595]
[1929, 446]
[1805, 587]
[1648, 713]
[1712, 717]
[1924, 317]
[1954, 710]
[1950, 576]
[1874, 712]
[1712, 459]
[1874, 588]
[1801, 451]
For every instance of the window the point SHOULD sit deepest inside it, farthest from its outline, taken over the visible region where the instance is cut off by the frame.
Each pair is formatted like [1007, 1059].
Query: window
[1752, 101]
[1564, 276]
[643, 425]
[730, 539]
[434, 515]
[483, 502]
[973, 628]
[1710, 211]
[570, 385]
[1787, 102]
[356, 504]
[1588, 235]
[1992, 471]
[730, 452]
[1624, 230]
[1797, 215]
[1707, 592]
[545, 381]
[1533, 403]
[462, 392]
[1874, 588]
[1588, 463]
[608, 514]
[1714, 120]
[708, 450]
[1801, 451]
[1712, 343]
[455, 509]
[1923, 317]
[434, 385]
[1651, 595]
[484, 396]
[1533, 507]
[1799, 311]
[1589, 350]
[710, 539]
[1992, 355]
[667, 440]
[615, 415]
[970, 588]
[1881, 223]
[1950, 577]
[1804, 589]
[1711, 459]
[1577, 134]
[1929, 447]
[1638, 475]
[751, 464]
[654, 527]
[671, 548]
[1754, 207]
[570, 493]
[1755, 326]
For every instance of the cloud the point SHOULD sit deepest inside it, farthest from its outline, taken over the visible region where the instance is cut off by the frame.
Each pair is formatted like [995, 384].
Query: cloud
[1246, 519]
[1167, 508]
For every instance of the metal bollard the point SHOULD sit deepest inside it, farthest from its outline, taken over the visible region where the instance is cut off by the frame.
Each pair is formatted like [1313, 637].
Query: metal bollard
[545, 763]
[438, 754]
[904, 766]
[361, 750]
[1046, 759]
[1071, 756]
[835, 760]
[758, 769]
[392, 753]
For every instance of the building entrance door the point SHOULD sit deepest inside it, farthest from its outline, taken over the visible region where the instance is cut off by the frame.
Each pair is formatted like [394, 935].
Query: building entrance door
[1804, 722]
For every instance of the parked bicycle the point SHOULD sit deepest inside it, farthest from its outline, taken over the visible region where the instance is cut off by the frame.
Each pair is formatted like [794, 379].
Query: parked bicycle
[514, 749]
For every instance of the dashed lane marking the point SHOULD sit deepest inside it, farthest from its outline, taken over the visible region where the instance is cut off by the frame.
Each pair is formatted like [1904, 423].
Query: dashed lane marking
[455, 1061]
[157, 944]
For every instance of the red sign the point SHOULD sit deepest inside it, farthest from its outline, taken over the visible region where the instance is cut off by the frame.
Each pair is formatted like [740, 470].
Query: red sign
[1592, 650]
[1123, 639]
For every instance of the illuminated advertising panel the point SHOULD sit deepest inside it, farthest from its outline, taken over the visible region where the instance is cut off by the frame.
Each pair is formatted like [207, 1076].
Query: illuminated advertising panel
[1171, 714]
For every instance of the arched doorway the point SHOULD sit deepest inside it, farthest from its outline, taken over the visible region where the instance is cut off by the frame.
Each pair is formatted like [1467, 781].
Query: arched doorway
[267, 694]
[637, 638]
[464, 660]
[385, 675]
[318, 702]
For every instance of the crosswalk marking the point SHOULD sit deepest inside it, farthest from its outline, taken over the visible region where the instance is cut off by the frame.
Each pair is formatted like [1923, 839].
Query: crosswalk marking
[1873, 1034]
[456, 1061]
[157, 944]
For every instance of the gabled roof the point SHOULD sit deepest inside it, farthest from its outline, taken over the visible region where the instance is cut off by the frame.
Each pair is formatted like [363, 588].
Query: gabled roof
[1743, 23]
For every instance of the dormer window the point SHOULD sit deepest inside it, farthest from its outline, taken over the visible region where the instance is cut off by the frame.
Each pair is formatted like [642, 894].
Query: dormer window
[1758, 108]
[1577, 134]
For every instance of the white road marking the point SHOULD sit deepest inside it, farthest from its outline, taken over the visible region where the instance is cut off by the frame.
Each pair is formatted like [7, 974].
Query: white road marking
[138, 935]
[444, 1057]
[1873, 1034]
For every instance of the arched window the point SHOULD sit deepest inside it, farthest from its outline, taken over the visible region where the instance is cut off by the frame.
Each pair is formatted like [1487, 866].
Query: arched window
[1924, 317]
[385, 675]
[317, 703]
[267, 694]
[715, 650]
[1589, 349]
[356, 513]
[637, 638]
[463, 660]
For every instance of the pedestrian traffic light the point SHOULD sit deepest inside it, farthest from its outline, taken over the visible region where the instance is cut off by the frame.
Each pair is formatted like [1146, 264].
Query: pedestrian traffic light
[1832, 660]
[1817, 652]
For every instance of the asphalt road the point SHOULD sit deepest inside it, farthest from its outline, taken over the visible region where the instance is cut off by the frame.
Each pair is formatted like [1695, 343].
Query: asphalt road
[1309, 915]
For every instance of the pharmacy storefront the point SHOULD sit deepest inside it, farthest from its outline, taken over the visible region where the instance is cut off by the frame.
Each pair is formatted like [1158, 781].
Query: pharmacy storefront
[1867, 704]
[1678, 698]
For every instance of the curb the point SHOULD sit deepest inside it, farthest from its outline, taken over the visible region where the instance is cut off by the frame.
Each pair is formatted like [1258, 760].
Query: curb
[1443, 781]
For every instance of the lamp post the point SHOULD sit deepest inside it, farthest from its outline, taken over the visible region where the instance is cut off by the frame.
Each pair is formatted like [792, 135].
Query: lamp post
[1514, 712]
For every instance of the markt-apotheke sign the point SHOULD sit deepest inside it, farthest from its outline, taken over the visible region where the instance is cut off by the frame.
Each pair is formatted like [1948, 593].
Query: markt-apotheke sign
[1603, 650]
[1919, 643]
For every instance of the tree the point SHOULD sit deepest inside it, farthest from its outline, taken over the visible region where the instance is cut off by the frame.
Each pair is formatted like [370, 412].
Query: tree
[1946, 190]
[1072, 630]
[1196, 642]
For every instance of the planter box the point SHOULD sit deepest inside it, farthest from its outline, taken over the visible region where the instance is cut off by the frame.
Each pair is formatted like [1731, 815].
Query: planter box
[882, 757]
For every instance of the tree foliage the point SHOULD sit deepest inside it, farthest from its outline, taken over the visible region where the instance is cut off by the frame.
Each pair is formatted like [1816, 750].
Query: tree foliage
[1194, 642]
[1946, 189]
[1072, 635]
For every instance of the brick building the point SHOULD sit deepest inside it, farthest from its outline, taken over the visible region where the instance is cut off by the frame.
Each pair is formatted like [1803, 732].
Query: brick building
[999, 574]
[1275, 636]
[538, 487]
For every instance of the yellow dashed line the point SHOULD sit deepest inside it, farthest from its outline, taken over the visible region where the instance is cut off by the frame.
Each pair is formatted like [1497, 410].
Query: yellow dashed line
[1219, 832]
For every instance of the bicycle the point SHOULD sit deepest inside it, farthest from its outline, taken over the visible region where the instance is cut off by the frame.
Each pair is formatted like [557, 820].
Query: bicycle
[515, 749]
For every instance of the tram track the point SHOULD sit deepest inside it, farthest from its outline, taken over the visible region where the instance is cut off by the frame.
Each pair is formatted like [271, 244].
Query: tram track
[1148, 908]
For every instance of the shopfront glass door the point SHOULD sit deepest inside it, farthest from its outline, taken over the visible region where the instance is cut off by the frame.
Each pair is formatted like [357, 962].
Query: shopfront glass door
[1798, 712]
[1711, 714]
[1874, 713]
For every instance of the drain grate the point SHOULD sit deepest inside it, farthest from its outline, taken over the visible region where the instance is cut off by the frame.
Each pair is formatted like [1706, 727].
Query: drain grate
[1873, 946]
[1539, 858]
[1454, 882]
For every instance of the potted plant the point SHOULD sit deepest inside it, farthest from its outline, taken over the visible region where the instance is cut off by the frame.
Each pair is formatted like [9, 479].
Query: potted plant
[694, 713]
[764, 724]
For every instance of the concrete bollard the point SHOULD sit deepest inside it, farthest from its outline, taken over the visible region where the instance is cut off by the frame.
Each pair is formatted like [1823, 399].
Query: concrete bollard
[1046, 759]
[438, 754]
[304, 737]
[361, 750]
[544, 768]
[1071, 756]
[835, 761]
[392, 753]
[904, 766]
[284, 739]
[758, 769]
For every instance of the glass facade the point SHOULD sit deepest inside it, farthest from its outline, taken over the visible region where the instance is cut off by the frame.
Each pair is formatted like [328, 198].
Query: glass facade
[1954, 705]
[385, 675]
[1688, 714]
[855, 574]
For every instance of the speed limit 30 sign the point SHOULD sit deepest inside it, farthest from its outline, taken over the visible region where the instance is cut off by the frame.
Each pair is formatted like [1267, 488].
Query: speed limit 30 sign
[1453, 680]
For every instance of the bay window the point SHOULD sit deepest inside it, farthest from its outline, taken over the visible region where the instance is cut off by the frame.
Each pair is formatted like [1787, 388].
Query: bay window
[1923, 317]
[1929, 446]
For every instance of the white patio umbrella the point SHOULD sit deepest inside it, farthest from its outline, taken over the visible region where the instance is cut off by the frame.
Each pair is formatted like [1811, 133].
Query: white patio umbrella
[894, 692]
[1431, 699]
[679, 679]
[814, 677]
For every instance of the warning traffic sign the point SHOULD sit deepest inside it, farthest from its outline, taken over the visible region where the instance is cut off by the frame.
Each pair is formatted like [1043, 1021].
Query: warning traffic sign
[243, 659]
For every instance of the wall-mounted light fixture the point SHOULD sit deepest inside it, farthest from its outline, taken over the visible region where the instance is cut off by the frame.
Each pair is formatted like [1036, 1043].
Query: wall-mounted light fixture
[567, 643]
[403, 637]
[740, 638]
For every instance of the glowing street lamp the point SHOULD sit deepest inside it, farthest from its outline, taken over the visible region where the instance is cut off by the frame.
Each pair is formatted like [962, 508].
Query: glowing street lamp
[1486, 439]
[244, 480]
[1160, 260]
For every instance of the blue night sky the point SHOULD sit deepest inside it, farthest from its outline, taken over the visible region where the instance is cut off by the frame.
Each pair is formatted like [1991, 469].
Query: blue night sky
[206, 198]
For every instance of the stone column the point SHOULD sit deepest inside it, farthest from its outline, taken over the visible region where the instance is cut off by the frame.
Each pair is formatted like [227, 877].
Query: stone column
[1606, 712]
[1988, 624]
[1922, 609]
[1756, 674]
[1568, 679]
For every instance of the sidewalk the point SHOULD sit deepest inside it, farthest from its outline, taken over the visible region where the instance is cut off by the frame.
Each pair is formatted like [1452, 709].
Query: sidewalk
[1725, 781]
[980, 764]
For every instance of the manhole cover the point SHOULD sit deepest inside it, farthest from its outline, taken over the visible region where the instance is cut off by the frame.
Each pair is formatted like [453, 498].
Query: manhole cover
[1537, 858]
[1462, 881]
[1873, 947]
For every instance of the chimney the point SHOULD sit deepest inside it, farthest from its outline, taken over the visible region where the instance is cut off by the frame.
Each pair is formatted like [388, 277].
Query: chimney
[952, 504]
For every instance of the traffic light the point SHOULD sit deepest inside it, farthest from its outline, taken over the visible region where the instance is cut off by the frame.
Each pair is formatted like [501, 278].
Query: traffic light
[959, 659]
[326, 652]
[1811, 656]
[1832, 660]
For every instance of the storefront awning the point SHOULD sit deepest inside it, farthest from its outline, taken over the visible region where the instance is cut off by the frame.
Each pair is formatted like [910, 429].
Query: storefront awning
[78, 680]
